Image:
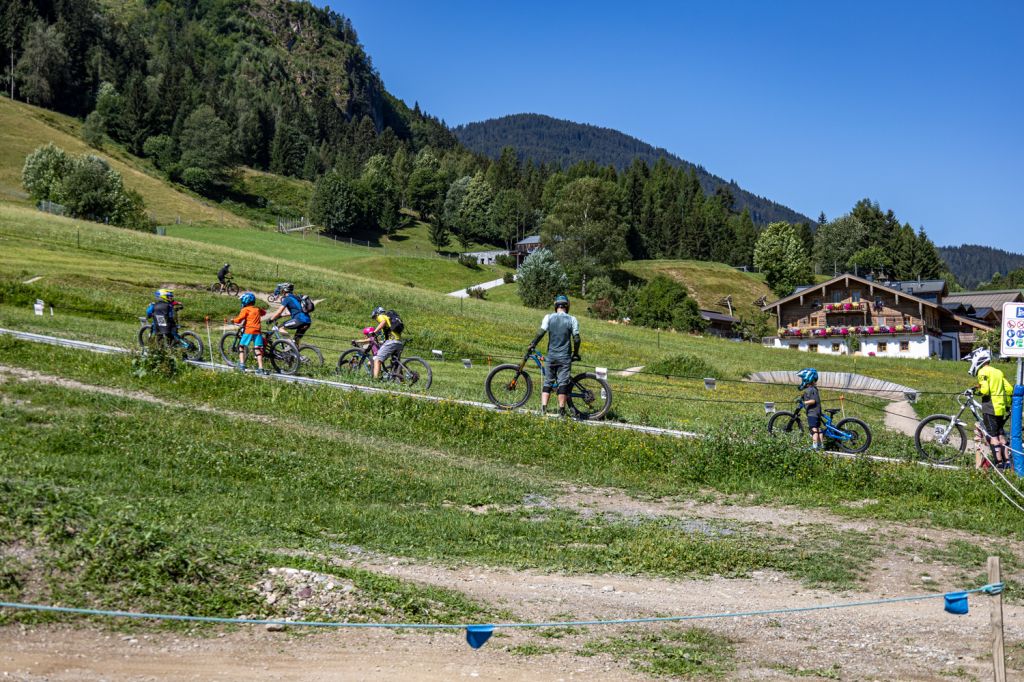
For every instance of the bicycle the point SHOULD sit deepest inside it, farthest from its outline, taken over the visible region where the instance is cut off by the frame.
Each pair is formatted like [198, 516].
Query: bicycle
[283, 354]
[228, 287]
[941, 438]
[187, 343]
[412, 371]
[510, 386]
[850, 434]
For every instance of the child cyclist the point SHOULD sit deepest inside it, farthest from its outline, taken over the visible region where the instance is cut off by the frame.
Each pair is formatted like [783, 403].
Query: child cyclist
[250, 317]
[810, 401]
[162, 314]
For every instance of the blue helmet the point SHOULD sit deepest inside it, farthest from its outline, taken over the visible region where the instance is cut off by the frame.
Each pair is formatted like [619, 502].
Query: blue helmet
[807, 377]
[562, 300]
[248, 298]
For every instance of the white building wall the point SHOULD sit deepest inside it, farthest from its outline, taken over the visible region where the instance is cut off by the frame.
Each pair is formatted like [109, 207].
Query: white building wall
[918, 345]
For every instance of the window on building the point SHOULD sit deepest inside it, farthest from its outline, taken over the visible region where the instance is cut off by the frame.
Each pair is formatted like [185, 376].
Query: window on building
[835, 347]
[837, 296]
[882, 346]
[904, 346]
[855, 295]
[813, 348]
[879, 303]
[816, 303]
[794, 346]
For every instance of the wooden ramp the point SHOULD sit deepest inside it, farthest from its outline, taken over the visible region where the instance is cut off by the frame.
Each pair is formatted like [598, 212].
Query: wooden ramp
[842, 381]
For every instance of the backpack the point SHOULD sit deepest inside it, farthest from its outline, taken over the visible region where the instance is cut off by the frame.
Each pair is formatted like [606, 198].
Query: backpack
[395, 322]
[307, 304]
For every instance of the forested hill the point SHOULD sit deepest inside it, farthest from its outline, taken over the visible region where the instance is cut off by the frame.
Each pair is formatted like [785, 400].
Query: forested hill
[551, 140]
[290, 81]
[974, 264]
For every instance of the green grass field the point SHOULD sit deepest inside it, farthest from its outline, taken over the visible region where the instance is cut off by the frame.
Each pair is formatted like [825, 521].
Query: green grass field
[708, 283]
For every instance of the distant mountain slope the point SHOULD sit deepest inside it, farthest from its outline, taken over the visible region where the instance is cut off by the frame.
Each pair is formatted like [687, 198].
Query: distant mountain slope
[552, 140]
[973, 264]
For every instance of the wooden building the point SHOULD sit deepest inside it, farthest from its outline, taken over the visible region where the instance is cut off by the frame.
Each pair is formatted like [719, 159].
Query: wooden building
[890, 319]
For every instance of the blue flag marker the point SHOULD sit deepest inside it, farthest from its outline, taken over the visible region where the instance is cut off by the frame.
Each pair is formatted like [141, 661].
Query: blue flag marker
[956, 603]
[477, 635]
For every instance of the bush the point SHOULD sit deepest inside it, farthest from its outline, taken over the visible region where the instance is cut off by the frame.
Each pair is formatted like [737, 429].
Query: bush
[508, 277]
[197, 179]
[93, 130]
[477, 292]
[663, 303]
[44, 170]
[603, 309]
[469, 262]
[163, 151]
[684, 365]
[507, 260]
[541, 278]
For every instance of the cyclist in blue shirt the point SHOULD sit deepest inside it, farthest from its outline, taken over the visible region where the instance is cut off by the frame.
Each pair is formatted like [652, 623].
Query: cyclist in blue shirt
[161, 312]
[563, 332]
[290, 304]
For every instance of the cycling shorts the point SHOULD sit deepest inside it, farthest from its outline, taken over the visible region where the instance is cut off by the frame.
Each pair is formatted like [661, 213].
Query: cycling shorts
[389, 348]
[995, 424]
[252, 340]
[557, 373]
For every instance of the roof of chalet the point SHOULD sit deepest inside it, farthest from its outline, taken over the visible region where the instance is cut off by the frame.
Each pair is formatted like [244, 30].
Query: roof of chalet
[986, 299]
[715, 316]
[532, 239]
[919, 286]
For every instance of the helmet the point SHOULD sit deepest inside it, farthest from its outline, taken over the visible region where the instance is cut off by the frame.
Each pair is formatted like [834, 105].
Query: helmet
[562, 300]
[368, 331]
[227, 265]
[807, 377]
[979, 357]
[286, 287]
[248, 298]
[377, 311]
[166, 295]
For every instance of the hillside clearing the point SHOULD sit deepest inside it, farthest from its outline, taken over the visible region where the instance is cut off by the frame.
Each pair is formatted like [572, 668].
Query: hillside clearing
[708, 283]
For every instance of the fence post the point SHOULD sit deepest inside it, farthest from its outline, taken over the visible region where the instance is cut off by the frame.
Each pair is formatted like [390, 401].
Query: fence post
[996, 618]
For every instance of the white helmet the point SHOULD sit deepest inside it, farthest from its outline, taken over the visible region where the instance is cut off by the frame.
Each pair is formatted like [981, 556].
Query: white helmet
[979, 357]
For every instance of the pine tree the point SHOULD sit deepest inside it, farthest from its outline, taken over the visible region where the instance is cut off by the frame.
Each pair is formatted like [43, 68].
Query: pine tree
[439, 235]
[633, 184]
[927, 263]
[134, 121]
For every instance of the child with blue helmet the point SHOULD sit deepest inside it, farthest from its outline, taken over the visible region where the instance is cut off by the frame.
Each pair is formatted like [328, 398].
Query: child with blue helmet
[251, 318]
[810, 401]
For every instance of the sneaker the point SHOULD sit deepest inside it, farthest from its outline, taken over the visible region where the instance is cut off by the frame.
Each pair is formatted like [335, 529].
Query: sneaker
[1003, 465]
[263, 372]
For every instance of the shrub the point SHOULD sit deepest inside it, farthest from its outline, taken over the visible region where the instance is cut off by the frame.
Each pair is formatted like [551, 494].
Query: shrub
[477, 292]
[469, 262]
[93, 130]
[507, 260]
[663, 303]
[44, 170]
[603, 309]
[508, 277]
[541, 278]
[684, 365]
[163, 151]
[197, 179]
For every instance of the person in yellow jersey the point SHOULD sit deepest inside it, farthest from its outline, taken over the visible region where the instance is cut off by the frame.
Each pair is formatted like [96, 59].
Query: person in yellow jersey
[390, 326]
[995, 393]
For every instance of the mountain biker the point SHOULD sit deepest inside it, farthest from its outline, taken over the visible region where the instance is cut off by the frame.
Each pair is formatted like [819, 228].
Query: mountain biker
[563, 332]
[161, 312]
[992, 387]
[393, 344]
[300, 319]
[810, 401]
[252, 332]
[223, 274]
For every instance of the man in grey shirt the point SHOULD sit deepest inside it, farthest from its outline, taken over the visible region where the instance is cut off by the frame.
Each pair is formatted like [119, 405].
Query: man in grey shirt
[563, 348]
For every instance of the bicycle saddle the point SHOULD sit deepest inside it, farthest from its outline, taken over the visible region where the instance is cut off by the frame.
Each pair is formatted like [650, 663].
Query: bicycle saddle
[831, 412]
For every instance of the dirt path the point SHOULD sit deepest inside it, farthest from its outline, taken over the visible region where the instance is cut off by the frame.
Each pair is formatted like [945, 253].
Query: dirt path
[910, 641]
[901, 417]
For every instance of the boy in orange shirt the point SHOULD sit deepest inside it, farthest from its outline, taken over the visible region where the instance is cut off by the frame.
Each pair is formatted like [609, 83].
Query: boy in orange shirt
[251, 317]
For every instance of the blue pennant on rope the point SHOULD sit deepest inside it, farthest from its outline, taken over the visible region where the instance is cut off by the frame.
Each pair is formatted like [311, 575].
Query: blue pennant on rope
[477, 635]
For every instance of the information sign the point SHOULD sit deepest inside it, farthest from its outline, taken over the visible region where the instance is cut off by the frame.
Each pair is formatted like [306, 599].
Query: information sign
[1011, 341]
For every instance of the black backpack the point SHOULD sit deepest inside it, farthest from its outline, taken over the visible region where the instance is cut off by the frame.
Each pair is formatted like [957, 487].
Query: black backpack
[307, 304]
[395, 322]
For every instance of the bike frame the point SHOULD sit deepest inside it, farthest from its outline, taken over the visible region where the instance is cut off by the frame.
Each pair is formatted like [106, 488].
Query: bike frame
[538, 360]
[966, 402]
[829, 431]
[371, 350]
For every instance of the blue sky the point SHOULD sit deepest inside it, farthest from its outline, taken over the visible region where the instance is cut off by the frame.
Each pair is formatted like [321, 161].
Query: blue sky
[917, 105]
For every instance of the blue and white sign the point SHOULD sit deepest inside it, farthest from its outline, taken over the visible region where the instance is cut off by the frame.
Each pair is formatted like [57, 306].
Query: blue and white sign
[1012, 338]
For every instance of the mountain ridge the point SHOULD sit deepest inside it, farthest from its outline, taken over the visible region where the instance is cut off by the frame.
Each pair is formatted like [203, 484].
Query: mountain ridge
[975, 264]
[547, 139]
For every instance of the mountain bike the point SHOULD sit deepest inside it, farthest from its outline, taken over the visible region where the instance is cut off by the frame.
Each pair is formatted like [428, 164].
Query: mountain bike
[413, 372]
[510, 386]
[228, 287]
[187, 343]
[282, 353]
[941, 438]
[850, 434]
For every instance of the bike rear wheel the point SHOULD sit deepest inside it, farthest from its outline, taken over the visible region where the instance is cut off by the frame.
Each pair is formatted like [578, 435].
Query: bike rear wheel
[940, 439]
[413, 372]
[284, 356]
[860, 435]
[589, 396]
[508, 387]
[145, 336]
[353, 363]
[231, 288]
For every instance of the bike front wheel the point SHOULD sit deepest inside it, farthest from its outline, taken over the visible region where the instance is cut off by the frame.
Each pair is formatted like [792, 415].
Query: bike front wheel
[786, 425]
[191, 346]
[284, 356]
[508, 387]
[589, 396]
[414, 372]
[231, 288]
[940, 439]
[859, 432]
[229, 346]
[145, 336]
[311, 357]
[352, 364]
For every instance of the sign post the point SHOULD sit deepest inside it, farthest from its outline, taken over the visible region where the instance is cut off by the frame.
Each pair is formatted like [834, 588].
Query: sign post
[1011, 345]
